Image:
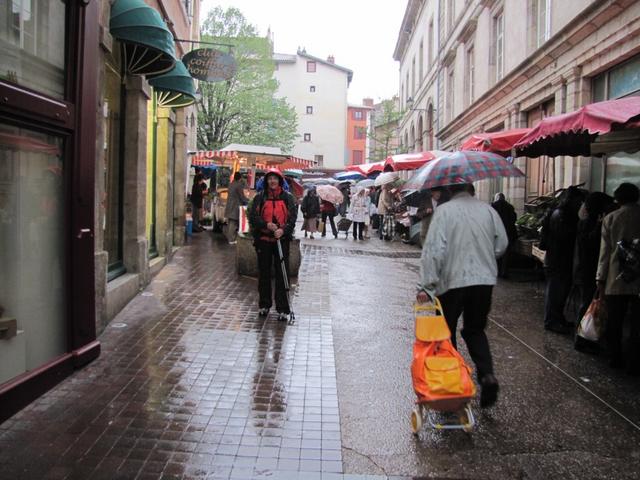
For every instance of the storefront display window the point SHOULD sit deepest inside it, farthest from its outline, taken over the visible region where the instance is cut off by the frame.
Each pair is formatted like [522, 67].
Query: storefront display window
[32, 259]
[621, 81]
[622, 167]
[32, 41]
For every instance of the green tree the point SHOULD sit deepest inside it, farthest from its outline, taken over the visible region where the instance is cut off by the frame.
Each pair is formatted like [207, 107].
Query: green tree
[384, 131]
[243, 109]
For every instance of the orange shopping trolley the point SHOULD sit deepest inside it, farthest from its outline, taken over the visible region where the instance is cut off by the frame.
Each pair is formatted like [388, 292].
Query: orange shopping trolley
[441, 379]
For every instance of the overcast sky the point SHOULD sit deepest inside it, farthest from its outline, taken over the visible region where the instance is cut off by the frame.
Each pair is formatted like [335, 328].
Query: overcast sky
[360, 34]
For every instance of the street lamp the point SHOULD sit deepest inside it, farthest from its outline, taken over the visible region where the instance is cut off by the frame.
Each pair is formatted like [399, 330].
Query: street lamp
[410, 106]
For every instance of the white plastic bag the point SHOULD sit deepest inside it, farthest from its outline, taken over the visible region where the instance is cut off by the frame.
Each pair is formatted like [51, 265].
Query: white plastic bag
[591, 324]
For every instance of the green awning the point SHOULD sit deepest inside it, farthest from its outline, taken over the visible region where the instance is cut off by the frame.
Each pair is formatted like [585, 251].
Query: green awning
[148, 44]
[175, 88]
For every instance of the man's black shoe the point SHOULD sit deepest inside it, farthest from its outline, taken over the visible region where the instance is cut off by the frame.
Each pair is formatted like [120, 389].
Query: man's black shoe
[616, 362]
[562, 329]
[489, 390]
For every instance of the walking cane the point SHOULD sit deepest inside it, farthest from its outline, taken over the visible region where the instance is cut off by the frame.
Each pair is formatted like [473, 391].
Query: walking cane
[292, 316]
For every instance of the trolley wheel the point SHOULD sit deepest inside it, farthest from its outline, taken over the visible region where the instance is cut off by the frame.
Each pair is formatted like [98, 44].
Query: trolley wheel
[416, 420]
[466, 419]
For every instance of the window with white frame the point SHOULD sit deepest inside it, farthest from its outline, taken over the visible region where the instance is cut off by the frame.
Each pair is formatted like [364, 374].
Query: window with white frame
[421, 62]
[307, 137]
[430, 44]
[408, 90]
[542, 21]
[413, 77]
[450, 92]
[309, 110]
[469, 75]
[498, 45]
[451, 14]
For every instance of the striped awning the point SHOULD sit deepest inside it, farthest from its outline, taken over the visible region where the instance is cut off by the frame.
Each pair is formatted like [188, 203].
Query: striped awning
[202, 158]
[296, 163]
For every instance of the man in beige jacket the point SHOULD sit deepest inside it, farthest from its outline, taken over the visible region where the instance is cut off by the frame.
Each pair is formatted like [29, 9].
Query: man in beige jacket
[385, 208]
[621, 297]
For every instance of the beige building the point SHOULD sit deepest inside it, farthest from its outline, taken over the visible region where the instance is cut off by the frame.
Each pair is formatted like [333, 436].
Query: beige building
[470, 66]
[317, 89]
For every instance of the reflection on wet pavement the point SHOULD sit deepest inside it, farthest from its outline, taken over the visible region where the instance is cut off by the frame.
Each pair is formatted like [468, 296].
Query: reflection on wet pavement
[195, 385]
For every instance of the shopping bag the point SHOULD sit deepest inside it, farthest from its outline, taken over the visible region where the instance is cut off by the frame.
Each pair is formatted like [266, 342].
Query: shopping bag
[591, 324]
[320, 226]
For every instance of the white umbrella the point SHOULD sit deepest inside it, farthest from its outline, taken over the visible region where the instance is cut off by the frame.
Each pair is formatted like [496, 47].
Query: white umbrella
[386, 177]
[365, 183]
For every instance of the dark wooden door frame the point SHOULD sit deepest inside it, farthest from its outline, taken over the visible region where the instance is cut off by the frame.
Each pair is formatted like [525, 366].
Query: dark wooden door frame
[75, 119]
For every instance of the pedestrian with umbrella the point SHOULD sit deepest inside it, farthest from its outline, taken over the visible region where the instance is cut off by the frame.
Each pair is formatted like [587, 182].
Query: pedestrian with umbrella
[385, 204]
[310, 211]
[328, 212]
[458, 262]
[359, 213]
[272, 217]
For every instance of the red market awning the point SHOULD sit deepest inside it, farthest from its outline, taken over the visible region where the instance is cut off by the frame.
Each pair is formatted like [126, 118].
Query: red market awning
[366, 168]
[204, 158]
[573, 133]
[296, 163]
[495, 142]
[410, 161]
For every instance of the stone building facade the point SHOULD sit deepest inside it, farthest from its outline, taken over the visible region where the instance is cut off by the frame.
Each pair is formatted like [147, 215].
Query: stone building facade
[140, 185]
[469, 66]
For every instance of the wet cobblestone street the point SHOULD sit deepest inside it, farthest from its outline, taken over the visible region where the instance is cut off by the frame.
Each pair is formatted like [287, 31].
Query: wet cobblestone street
[191, 383]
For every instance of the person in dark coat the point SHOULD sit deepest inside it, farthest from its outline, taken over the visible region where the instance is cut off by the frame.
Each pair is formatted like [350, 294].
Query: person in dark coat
[558, 240]
[310, 212]
[235, 199]
[272, 217]
[587, 250]
[197, 193]
[508, 216]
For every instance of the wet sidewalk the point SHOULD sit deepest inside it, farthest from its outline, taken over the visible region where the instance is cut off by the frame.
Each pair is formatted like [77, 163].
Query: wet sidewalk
[192, 384]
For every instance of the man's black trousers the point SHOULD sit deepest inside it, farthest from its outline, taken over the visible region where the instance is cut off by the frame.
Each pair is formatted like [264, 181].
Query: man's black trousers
[268, 261]
[474, 304]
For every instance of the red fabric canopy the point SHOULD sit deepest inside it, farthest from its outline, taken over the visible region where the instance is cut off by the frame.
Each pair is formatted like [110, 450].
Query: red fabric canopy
[408, 161]
[366, 168]
[495, 142]
[572, 133]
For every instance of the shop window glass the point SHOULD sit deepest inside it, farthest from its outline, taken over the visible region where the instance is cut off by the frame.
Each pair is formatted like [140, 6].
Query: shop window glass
[113, 173]
[32, 41]
[600, 88]
[625, 80]
[622, 167]
[32, 253]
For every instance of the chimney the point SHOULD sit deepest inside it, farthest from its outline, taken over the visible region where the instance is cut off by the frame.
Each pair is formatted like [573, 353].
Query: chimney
[331, 59]
[367, 102]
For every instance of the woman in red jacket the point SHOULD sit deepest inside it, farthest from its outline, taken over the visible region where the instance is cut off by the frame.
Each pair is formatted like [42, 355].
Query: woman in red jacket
[328, 211]
[272, 217]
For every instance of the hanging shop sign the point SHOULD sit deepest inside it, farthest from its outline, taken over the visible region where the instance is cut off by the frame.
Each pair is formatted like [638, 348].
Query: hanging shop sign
[210, 65]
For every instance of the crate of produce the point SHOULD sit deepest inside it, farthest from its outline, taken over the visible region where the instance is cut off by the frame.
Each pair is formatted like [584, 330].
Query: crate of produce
[537, 253]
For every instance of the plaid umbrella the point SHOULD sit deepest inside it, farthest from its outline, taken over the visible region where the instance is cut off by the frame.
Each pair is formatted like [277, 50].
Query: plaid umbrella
[461, 167]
